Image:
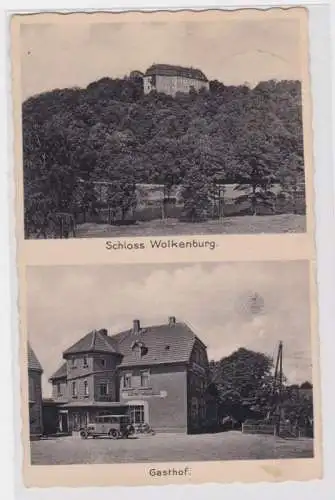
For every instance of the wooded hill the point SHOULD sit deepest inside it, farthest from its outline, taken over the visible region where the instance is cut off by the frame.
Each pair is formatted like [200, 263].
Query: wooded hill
[112, 131]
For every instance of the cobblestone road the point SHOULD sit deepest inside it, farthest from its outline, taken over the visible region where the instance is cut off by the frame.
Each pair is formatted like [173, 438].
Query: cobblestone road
[165, 448]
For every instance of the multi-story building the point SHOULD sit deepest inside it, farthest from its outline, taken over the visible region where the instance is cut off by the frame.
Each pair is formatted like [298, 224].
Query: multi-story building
[159, 374]
[35, 394]
[171, 79]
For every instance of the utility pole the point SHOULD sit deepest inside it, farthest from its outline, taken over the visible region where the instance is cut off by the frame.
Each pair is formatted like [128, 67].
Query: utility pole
[278, 386]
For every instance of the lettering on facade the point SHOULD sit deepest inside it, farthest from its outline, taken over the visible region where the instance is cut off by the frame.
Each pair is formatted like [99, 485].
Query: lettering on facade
[143, 393]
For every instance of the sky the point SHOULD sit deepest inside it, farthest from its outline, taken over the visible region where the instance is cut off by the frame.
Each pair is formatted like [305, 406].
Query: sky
[234, 52]
[65, 303]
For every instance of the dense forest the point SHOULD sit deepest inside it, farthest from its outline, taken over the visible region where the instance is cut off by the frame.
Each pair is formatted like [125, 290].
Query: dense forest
[110, 131]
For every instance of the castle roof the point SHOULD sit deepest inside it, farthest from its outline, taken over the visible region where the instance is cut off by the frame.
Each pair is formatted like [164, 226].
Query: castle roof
[33, 363]
[96, 341]
[172, 70]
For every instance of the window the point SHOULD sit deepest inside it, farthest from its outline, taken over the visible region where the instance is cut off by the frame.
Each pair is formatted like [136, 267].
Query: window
[85, 362]
[85, 388]
[145, 379]
[73, 363]
[58, 389]
[103, 362]
[103, 389]
[74, 390]
[137, 414]
[127, 381]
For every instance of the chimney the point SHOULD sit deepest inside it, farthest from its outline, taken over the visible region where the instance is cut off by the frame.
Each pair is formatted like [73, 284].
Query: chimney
[172, 320]
[136, 326]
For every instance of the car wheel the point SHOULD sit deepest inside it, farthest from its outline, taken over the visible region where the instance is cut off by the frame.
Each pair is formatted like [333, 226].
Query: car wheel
[113, 434]
[83, 434]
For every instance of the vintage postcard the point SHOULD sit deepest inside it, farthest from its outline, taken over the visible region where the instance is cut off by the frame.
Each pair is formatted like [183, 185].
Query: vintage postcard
[166, 258]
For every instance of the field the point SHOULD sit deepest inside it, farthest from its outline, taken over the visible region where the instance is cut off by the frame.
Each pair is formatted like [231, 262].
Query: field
[166, 447]
[247, 224]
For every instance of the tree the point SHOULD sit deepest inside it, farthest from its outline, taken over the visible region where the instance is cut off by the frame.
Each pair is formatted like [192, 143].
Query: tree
[256, 175]
[121, 197]
[163, 149]
[245, 372]
[196, 196]
[291, 179]
[83, 199]
[306, 385]
[245, 384]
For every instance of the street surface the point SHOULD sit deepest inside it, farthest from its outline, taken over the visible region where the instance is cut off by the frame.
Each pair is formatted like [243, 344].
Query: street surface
[231, 445]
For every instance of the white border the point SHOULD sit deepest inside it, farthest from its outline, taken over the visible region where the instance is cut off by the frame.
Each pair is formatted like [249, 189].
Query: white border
[320, 20]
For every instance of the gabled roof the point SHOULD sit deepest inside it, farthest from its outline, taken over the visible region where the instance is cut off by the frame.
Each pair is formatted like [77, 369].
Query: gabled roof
[33, 363]
[162, 344]
[95, 341]
[60, 373]
[172, 70]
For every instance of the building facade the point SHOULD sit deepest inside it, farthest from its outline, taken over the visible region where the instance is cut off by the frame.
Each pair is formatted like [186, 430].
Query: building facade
[170, 79]
[159, 374]
[35, 394]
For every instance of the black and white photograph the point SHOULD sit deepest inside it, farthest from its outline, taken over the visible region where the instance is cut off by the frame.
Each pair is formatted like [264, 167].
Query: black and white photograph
[163, 124]
[169, 363]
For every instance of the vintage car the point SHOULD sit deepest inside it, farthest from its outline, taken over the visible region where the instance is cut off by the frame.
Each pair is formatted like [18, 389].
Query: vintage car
[113, 426]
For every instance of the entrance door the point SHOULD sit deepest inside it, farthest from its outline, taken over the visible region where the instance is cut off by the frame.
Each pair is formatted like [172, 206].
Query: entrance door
[137, 414]
[76, 421]
[83, 419]
[63, 422]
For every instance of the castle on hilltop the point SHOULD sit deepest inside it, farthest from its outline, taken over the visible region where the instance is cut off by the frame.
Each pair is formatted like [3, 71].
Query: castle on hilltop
[170, 79]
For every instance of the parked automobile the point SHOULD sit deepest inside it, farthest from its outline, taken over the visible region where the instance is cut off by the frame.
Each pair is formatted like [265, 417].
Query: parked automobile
[113, 426]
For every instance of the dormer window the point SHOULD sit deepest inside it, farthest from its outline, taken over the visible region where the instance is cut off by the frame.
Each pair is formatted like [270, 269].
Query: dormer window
[140, 347]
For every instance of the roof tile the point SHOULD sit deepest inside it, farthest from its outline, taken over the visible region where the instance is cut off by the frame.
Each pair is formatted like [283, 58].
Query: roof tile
[33, 362]
[60, 373]
[95, 341]
[161, 344]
